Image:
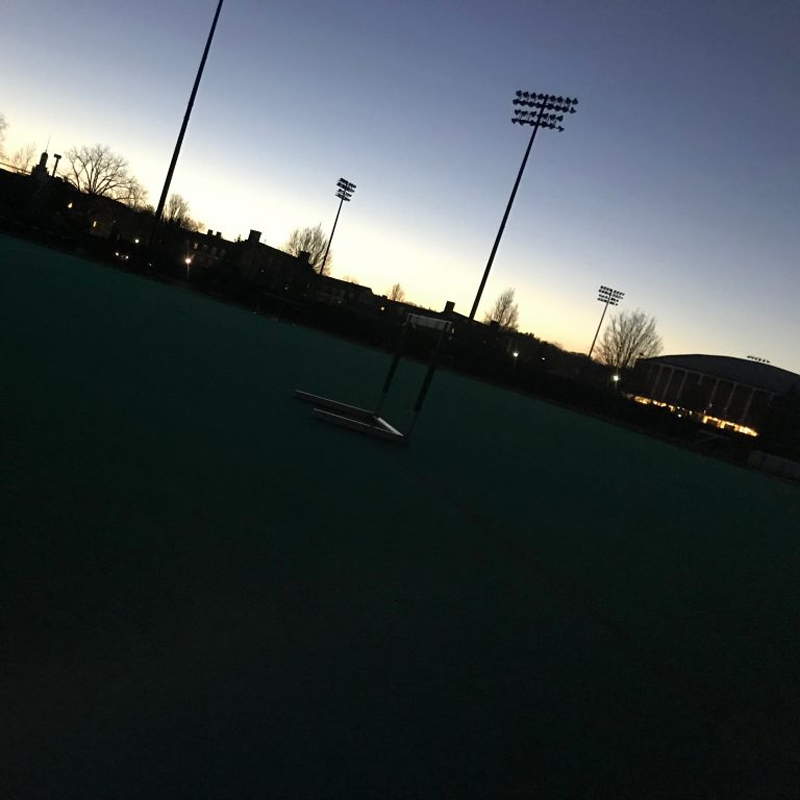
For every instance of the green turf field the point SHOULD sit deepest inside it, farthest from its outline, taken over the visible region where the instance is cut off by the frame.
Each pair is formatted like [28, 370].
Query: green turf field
[208, 594]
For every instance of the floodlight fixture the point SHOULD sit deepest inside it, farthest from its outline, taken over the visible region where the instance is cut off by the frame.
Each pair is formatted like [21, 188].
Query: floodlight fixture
[344, 192]
[605, 294]
[530, 110]
[609, 297]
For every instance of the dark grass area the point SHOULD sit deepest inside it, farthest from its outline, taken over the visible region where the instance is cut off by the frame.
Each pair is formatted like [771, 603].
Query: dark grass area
[206, 593]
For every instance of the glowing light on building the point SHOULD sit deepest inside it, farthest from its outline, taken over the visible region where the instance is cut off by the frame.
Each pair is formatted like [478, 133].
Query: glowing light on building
[706, 419]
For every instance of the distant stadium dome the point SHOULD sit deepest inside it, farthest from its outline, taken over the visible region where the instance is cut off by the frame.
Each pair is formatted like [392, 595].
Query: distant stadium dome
[724, 391]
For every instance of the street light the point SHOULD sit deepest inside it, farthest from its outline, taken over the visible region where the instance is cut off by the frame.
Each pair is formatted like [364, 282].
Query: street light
[344, 192]
[548, 112]
[610, 297]
[163, 199]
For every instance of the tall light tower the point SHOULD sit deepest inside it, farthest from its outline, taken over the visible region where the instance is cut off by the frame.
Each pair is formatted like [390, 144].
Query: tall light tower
[547, 112]
[344, 192]
[610, 297]
[163, 199]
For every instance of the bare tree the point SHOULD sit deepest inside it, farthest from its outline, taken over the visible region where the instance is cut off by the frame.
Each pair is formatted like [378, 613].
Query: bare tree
[96, 170]
[23, 159]
[629, 336]
[136, 197]
[3, 126]
[177, 212]
[397, 293]
[312, 241]
[505, 312]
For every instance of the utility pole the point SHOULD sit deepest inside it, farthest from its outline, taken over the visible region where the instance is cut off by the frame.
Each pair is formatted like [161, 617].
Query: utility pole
[165, 191]
[344, 192]
[548, 112]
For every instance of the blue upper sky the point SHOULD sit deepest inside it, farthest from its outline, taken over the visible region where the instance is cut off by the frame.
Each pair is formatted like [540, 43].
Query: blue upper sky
[676, 181]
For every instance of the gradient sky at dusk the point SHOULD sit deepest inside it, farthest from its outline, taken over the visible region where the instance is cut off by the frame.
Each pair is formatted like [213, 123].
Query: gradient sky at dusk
[677, 181]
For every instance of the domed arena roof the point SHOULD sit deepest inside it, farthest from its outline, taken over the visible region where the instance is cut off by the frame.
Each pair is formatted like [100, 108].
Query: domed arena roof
[738, 370]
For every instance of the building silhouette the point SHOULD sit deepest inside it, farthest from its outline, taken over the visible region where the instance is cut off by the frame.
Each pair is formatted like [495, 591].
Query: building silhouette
[729, 393]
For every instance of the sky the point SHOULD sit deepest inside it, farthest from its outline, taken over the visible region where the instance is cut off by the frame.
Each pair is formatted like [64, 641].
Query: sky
[677, 181]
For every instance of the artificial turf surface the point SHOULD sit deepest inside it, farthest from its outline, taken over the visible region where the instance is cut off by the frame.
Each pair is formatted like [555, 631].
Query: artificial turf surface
[208, 594]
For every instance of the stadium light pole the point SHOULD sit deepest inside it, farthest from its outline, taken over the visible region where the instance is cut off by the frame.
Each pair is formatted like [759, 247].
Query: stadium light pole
[344, 192]
[610, 297]
[547, 112]
[163, 199]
